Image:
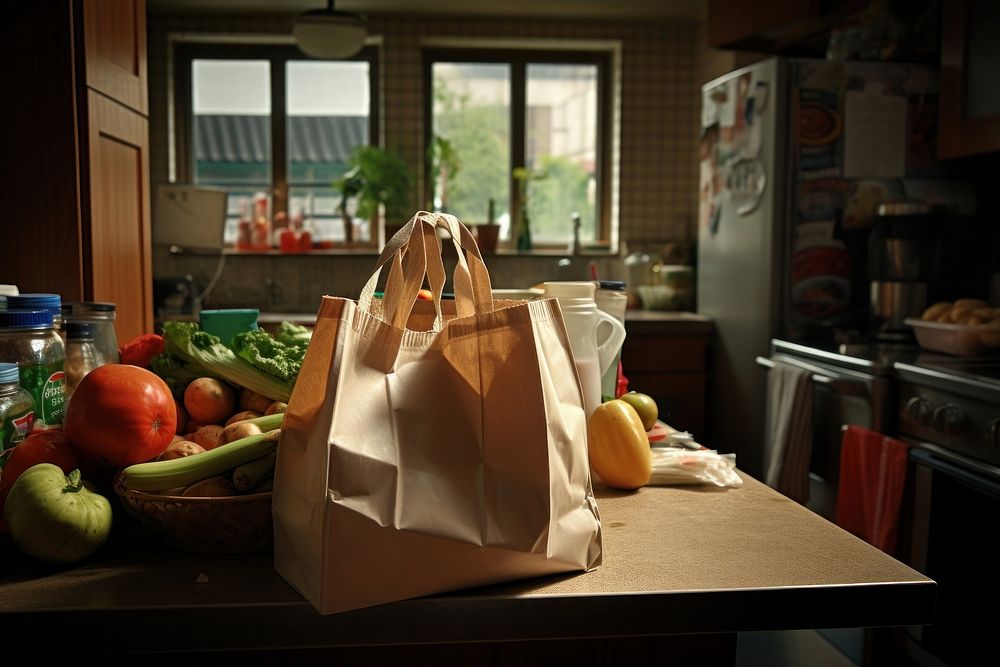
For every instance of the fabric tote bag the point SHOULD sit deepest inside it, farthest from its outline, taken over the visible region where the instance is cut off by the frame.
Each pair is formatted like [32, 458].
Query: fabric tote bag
[432, 445]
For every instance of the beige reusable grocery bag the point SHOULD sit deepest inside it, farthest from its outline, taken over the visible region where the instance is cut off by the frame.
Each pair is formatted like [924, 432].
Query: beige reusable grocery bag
[419, 461]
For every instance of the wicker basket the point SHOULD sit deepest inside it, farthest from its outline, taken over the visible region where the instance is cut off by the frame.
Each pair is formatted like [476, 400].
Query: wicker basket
[237, 524]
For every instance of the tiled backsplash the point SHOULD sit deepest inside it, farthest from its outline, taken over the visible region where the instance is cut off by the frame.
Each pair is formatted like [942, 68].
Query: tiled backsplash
[295, 283]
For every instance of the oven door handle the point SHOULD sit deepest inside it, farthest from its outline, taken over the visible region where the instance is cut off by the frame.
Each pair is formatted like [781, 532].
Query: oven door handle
[842, 386]
[968, 472]
[845, 386]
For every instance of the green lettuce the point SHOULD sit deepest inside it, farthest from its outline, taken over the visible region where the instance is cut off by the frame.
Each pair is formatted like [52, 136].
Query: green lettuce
[269, 354]
[294, 335]
[177, 372]
[189, 343]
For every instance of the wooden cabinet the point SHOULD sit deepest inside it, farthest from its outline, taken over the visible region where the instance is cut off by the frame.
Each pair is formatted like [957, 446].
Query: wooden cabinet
[969, 118]
[76, 195]
[665, 357]
[770, 25]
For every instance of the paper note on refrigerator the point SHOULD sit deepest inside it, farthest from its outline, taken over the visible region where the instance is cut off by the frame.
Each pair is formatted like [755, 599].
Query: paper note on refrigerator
[874, 135]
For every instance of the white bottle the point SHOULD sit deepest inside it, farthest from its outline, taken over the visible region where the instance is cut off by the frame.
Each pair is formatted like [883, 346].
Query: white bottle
[594, 346]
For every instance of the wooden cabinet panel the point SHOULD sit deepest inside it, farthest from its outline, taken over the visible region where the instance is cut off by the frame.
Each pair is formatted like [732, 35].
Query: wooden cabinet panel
[40, 246]
[969, 33]
[664, 353]
[120, 257]
[680, 398]
[115, 42]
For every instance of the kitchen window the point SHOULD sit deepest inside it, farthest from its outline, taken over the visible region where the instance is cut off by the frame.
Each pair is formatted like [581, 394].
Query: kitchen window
[265, 122]
[521, 128]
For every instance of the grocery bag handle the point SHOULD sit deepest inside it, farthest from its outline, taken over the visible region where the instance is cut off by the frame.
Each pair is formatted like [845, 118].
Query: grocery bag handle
[414, 254]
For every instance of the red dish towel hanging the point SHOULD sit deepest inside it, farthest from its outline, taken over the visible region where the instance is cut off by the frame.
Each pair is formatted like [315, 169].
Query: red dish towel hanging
[872, 475]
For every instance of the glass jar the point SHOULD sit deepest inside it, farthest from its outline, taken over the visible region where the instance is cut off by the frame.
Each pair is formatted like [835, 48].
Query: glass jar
[17, 410]
[49, 302]
[83, 354]
[28, 339]
[101, 315]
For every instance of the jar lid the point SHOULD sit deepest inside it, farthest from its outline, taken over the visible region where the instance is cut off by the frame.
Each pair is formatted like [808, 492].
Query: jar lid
[88, 307]
[26, 319]
[52, 302]
[79, 331]
[616, 285]
[9, 373]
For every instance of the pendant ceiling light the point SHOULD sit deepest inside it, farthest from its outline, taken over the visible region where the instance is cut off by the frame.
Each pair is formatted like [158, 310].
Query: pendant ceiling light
[329, 33]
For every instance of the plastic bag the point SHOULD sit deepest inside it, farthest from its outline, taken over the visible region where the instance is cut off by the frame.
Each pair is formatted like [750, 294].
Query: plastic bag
[676, 466]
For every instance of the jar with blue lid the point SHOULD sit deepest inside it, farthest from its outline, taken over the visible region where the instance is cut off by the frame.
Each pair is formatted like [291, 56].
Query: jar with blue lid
[28, 339]
[49, 302]
[17, 410]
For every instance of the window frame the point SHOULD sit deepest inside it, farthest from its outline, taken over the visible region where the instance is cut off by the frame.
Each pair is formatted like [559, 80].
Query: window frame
[519, 59]
[277, 55]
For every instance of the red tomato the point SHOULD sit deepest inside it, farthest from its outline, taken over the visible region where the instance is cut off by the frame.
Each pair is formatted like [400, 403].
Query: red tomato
[120, 415]
[39, 447]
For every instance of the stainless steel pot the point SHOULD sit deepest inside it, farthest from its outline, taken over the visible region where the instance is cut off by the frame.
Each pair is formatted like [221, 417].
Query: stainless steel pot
[893, 302]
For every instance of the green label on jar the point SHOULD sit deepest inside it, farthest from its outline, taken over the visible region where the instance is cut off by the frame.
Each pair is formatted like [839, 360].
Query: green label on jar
[14, 427]
[47, 385]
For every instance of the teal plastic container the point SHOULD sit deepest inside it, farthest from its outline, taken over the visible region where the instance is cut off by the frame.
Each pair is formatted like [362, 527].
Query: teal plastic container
[226, 323]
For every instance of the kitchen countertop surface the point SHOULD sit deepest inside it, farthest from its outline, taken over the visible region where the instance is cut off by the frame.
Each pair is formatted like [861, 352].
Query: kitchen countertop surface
[678, 561]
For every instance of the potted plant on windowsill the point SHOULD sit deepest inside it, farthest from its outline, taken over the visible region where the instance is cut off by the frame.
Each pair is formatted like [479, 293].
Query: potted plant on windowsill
[380, 181]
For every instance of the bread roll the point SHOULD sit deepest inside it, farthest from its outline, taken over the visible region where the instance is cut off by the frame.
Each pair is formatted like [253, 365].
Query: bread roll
[934, 312]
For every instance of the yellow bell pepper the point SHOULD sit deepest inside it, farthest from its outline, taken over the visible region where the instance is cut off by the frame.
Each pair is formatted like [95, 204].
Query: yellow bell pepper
[619, 448]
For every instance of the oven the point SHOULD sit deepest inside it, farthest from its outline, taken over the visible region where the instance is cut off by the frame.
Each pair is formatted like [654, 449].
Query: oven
[850, 386]
[949, 412]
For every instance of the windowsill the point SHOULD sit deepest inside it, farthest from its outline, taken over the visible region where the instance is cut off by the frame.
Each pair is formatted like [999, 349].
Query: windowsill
[370, 251]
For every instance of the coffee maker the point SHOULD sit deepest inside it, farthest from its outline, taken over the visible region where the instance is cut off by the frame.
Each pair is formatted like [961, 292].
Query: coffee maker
[904, 256]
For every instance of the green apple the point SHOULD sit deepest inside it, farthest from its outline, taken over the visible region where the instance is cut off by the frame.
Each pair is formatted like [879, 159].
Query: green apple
[644, 405]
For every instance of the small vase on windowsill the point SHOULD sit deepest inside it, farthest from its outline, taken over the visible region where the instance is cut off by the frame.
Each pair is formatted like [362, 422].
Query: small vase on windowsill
[524, 231]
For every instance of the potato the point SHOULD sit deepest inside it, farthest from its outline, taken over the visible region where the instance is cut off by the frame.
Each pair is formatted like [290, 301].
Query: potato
[177, 438]
[237, 431]
[209, 400]
[240, 416]
[193, 425]
[180, 449]
[251, 400]
[276, 407]
[208, 436]
[212, 487]
[937, 310]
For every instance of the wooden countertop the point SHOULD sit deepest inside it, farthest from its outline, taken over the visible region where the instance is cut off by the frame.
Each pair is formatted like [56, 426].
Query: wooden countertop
[678, 560]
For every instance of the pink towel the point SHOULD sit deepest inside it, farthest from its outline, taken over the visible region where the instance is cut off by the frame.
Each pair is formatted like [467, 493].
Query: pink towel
[872, 475]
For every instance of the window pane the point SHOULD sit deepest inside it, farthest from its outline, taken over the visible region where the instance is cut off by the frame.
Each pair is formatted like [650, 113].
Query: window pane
[561, 150]
[471, 140]
[328, 107]
[231, 100]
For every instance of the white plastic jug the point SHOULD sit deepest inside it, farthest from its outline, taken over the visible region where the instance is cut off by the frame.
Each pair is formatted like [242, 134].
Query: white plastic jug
[595, 336]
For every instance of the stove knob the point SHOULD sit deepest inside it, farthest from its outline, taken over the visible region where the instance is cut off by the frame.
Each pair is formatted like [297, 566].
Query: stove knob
[948, 418]
[993, 434]
[919, 410]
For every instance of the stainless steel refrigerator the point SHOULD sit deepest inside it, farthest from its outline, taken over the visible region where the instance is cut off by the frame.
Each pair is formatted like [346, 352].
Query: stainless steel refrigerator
[795, 156]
